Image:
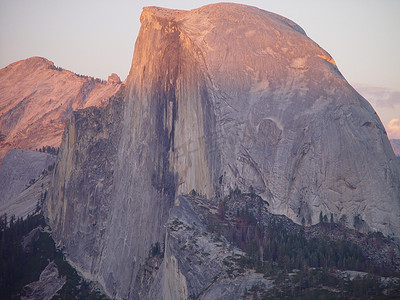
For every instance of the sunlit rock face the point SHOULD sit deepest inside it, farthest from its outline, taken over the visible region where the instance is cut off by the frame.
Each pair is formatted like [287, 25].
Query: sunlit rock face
[222, 96]
[113, 79]
[36, 98]
[246, 95]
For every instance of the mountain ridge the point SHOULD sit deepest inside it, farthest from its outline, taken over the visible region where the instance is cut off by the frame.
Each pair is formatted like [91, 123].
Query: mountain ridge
[37, 98]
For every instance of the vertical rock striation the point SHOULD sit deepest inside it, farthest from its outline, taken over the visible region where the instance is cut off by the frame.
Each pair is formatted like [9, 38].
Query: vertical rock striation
[80, 204]
[222, 96]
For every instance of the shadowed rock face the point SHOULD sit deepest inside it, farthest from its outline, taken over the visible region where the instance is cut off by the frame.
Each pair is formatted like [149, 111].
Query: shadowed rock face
[19, 171]
[81, 199]
[47, 286]
[36, 98]
[222, 96]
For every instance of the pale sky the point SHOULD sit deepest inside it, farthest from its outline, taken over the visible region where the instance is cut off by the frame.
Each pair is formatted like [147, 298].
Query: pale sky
[96, 38]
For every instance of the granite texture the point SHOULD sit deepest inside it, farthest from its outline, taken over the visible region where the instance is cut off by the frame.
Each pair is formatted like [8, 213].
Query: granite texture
[219, 97]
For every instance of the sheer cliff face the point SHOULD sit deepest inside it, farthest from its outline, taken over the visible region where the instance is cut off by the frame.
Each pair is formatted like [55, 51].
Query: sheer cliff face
[36, 98]
[222, 96]
[81, 197]
[244, 94]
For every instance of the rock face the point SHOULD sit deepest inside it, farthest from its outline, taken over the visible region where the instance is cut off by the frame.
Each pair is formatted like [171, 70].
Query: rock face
[197, 265]
[29, 240]
[114, 79]
[47, 286]
[219, 97]
[20, 172]
[36, 98]
[81, 200]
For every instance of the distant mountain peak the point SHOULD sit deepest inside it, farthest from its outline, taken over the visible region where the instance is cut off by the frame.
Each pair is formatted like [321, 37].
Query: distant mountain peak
[37, 98]
[30, 64]
[37, 60]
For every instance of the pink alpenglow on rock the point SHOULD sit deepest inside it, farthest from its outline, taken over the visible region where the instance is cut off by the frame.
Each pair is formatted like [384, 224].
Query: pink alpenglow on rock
[218, 97]
[114, 79]
[37, 98]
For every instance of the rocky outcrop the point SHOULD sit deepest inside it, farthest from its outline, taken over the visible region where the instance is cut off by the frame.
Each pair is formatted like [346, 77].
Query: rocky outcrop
[202, 260]
[36, 98]
[47, 286]
[114, 79]
[222, 97]
[30, 239]
[199, 264]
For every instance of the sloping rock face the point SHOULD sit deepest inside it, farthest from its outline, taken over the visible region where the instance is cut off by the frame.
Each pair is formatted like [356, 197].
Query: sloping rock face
[19, 172]
[222, 96]
[47, 286]
[36, 98]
